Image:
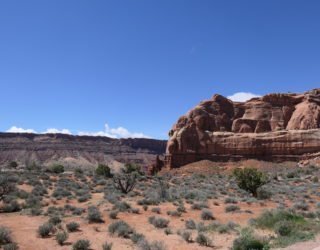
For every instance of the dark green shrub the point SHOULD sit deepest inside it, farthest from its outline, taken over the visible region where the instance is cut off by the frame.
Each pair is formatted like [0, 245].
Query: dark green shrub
[13, 164]
[55, 220]
[250, 179]
[103, 170]
[284, 228]
[57, 169]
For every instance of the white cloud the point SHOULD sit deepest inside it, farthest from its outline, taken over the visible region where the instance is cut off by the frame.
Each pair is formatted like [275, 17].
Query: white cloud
[57, 131]
[242, 96]
[119, 132]
[15, 129]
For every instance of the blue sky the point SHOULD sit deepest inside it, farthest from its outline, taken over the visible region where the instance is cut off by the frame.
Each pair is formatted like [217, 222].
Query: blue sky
[140, 64]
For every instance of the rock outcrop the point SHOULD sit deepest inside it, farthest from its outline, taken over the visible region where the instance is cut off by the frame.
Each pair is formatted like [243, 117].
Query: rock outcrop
[77, 151]
[275, 127]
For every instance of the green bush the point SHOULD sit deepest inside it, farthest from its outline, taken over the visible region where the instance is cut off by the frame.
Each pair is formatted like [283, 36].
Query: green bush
[248, 241]
[103, 170]
[13, 164]
[57, 169]
[81, 245]
[250, 179]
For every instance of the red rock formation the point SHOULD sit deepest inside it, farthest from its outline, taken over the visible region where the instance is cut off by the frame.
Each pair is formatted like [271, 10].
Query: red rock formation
[273, 127]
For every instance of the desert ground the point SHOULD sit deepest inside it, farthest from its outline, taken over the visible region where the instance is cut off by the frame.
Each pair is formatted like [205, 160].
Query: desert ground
[199, 206]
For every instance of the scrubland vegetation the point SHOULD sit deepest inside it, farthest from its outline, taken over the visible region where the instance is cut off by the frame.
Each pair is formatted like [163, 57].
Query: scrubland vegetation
[257, 210]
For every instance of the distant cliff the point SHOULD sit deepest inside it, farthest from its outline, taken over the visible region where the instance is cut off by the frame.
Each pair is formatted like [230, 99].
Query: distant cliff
[70, 150]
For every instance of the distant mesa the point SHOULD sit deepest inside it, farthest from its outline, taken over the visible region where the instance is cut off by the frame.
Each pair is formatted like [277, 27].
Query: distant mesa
[275, 127]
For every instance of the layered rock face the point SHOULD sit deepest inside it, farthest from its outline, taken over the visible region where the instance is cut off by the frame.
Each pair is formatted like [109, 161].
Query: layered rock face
[77, 151]
[274, 127]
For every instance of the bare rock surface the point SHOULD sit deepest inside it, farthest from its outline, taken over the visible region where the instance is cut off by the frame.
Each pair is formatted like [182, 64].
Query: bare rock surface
[276, 127]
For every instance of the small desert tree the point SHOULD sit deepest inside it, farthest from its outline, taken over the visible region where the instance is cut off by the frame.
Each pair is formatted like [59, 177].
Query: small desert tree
[6, 186]
[13, 164]
[250, 179]
[104, 170]
[125, 182]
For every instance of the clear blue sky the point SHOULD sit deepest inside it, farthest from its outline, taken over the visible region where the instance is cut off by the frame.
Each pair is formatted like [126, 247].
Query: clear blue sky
[140, 64]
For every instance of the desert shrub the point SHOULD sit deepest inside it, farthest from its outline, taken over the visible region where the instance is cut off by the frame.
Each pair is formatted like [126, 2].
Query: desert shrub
[187, 236]
[73, 226]
[135, 210]
[249, 241]
[55, 220]
[57, 169]
[136, 237]
[263, 193]
[158, 222]
[269, 218]
[230, 200]
[5, 236]
[132, 168]
[103, 170]
[232, 208]
[113, 214]
[155, 245]
[10, 246]
[94, 214]
[174, 213]
[284, 228]
[250, 179]
[81, 245]
[61, 237]
[207, 215]
[203, 240]
[84, 198]
[125, 182]
[122, 206]
[107, 246]
[13, 164]
[121, 229]
[156, 210]
[6, 185]
[45, 229]
[11, 207]
[301, 205]
[190, 224]
[168, 231]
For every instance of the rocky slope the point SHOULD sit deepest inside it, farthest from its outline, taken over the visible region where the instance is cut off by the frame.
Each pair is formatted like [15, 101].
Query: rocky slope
[83, 151]
[273, 127]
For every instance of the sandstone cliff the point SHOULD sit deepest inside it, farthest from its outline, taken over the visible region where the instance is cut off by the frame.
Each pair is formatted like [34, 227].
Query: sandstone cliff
[83, 151]
[273, 127]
